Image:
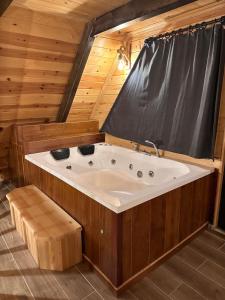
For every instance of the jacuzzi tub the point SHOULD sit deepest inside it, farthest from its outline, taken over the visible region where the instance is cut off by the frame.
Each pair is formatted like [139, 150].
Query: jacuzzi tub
[119, 178]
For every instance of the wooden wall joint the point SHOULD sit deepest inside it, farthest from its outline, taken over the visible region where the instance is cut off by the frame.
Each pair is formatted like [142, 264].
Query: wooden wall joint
[76, 72]
[4, 5]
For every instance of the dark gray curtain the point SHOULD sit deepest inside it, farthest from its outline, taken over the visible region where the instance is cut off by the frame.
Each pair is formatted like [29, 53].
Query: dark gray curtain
[172, 94]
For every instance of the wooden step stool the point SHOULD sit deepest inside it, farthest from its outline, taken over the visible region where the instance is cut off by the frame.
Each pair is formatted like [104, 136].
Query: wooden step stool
[21, 199]
[52, 236]
[55, 242]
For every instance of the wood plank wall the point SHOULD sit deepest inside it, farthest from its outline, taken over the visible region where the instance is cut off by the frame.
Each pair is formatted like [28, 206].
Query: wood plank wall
[100, 64]
[36, 54]
[35, 138]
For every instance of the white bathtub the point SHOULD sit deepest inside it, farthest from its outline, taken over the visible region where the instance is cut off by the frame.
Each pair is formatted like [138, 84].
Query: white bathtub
[112, 178]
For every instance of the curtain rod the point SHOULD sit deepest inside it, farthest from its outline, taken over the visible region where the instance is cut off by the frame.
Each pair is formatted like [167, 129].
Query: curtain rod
[188, 28]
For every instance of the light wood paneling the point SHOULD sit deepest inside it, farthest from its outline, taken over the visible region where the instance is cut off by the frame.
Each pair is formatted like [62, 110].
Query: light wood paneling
[80, 9]
[36, 56]
[97, 73]
[52, 236]
[38, 42]
[44, 137]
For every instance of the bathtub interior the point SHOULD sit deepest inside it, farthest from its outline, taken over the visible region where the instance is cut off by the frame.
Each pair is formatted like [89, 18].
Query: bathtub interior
[117, 165]
[118, 177]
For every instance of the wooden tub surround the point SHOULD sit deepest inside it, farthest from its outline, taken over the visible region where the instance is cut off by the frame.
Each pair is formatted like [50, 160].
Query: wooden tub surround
[123, 246]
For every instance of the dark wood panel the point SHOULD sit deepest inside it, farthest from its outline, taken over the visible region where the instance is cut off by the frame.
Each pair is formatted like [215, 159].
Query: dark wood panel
[4, 5]
[172, 219]
[76, 72]
[108, 247]
[186, 210]
[127, 237]
[133, 12]
[198, 203]
[141, 231]
[157, 227]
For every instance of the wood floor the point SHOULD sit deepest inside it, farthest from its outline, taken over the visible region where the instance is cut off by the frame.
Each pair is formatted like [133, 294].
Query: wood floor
[196, 272]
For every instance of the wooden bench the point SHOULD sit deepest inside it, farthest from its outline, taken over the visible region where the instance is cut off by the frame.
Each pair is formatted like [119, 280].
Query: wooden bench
[52, 236]
[21, 199]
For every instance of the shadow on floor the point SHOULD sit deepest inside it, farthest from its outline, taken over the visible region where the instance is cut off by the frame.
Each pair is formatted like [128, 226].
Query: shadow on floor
[2, 216]
[13, 250]
[8, 230]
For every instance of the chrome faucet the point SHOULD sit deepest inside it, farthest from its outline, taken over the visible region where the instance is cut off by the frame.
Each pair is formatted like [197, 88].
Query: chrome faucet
[154, 146]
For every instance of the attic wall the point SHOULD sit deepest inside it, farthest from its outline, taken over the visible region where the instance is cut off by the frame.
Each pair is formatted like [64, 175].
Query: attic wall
[99, 67]
[111, 90]
[36, 55]
[198, 12]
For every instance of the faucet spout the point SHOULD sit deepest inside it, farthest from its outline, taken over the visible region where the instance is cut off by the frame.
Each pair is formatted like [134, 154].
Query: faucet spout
[154, 146]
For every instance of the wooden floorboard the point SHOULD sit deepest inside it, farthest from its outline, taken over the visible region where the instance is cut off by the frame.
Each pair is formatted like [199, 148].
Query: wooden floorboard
[196, 272]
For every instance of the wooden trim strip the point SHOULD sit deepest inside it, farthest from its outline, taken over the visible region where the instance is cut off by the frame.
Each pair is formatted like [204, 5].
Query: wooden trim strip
[76, 73]
[4, 5]
[133, 12]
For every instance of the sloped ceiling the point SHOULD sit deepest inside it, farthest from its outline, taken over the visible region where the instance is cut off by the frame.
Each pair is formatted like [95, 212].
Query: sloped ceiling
[102, 81]
[38, 43]
[75, 9]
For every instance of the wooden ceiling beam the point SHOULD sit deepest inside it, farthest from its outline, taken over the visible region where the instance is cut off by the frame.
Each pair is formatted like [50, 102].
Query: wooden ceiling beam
[134, 11]
[80, 61]
[4, 4]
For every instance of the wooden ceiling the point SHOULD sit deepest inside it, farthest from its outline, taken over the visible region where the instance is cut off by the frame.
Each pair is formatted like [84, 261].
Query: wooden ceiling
[81, 9]
[38, 42]
[186, 15]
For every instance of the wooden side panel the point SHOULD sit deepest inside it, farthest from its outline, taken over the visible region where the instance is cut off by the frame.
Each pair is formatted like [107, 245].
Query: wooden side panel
[123, 245]
[152, 229]
[157, 228]
[172, 219]
[141, 234]
[186, 208]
